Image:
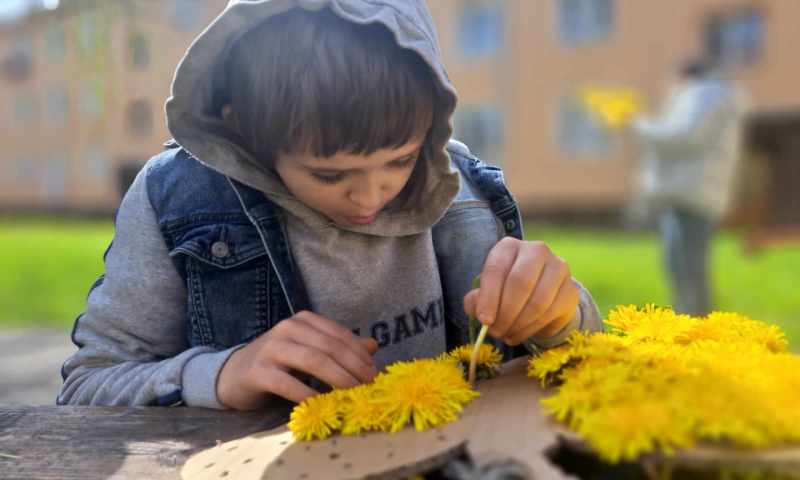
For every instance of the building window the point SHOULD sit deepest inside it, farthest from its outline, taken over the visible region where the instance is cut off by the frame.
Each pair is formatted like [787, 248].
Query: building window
[480, 29]
[187, 15]
[27, 170]
[139, 51]
[140, 118]
[27, 109]
[17, 65]
[55, 43]
[57, 105]
[97, 164]
[585, 21]
[735, 39]
[480, 127]
[92, 33]
[54, 178]
[91, 100]
[580, 133]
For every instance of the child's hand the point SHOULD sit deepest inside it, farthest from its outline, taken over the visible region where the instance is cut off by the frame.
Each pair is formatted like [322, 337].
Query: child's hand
[307, 343]
[525, 290]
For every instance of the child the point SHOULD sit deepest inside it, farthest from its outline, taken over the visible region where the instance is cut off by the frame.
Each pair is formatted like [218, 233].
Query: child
[311, 222]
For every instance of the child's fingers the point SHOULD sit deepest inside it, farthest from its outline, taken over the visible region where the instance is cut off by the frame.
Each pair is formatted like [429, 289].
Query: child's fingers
[471, 302]
[562, 310]
[493, 276]
[553, 276]
[314, 362]
[549, 322]
[335, 330]
[522, 282]
[355, 364]
[285, 385]
[370, 343]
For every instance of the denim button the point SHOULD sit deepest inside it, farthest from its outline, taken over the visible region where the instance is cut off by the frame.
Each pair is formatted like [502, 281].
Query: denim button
[510, 224]
[220, 249]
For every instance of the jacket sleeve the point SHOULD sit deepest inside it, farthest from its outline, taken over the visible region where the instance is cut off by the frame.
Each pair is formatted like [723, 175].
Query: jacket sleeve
[132, 342]
[689, 118]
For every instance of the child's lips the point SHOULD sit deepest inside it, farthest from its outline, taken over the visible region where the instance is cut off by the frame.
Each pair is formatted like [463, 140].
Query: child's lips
[362, 220]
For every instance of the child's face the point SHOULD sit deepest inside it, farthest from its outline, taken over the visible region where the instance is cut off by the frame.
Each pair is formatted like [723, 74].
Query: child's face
[349, 189]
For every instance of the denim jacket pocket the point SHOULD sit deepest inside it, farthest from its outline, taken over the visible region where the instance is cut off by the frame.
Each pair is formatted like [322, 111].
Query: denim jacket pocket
[229, 283]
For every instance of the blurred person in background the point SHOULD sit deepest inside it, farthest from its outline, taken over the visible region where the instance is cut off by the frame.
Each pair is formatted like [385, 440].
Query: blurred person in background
[692, 154]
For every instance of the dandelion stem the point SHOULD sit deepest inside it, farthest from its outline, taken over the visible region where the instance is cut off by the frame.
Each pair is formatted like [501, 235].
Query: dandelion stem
[473, 361]
[8, 455]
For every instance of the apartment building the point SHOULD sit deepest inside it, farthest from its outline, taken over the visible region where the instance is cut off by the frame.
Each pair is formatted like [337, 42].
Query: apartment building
[82, 87]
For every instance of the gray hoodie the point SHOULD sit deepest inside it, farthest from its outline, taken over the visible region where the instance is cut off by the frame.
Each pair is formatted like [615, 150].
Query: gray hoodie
[380, 279]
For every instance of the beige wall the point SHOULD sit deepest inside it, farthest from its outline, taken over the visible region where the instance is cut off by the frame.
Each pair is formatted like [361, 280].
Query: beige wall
[526, 80]
[84, 138]
[537, 68]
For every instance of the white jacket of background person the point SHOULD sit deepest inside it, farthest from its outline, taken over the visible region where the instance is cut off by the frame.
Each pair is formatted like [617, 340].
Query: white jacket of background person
[693, 147]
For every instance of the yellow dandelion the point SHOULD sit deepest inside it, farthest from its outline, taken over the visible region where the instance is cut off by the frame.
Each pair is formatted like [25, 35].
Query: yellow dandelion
[625, 318]
[316, 417]
[488, 362]
[637, 428]
[360, 411]
[426, 392]
[488, 355]
[546, 365]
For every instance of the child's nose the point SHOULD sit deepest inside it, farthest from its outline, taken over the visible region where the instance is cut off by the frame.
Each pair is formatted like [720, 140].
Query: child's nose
[367, 196]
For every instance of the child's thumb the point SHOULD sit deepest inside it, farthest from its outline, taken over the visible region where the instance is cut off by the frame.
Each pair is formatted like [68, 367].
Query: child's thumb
[471, 302]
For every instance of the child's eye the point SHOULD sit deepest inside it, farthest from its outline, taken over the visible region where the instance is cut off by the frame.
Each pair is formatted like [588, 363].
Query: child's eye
[329, 179]
[403, 163]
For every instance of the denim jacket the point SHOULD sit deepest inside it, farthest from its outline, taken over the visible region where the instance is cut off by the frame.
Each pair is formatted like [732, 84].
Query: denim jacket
[158, 334]
[228, 242]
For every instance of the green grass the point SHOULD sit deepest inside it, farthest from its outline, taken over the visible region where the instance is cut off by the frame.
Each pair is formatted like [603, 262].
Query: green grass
[47, 269]
[49, 265]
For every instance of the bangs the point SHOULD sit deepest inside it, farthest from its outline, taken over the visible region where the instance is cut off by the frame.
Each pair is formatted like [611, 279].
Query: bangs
[312, 82]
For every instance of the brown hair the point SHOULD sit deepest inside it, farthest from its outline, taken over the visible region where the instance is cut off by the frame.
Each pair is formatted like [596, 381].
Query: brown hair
[315, 83]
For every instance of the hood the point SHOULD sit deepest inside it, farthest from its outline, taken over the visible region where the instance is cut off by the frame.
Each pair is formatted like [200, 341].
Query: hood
[194, 125]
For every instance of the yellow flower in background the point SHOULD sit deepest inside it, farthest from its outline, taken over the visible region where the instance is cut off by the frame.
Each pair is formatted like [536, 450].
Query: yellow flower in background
[615, 106]
[660, 380]
[316, 417]
[427, 393]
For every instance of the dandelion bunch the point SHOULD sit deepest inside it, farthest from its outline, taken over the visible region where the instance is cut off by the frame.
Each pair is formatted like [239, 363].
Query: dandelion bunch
[425, 393]
[662, 381]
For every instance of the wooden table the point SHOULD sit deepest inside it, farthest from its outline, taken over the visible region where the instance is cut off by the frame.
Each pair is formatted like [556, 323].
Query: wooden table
[151, 443]
[154, 443]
